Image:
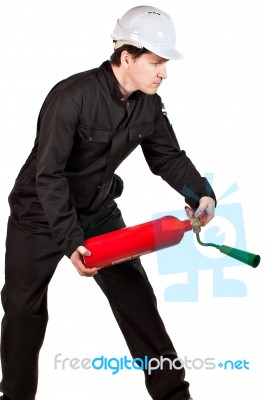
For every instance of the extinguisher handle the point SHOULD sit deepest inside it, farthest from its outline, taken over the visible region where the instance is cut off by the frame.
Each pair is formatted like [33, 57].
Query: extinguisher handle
[196, 224]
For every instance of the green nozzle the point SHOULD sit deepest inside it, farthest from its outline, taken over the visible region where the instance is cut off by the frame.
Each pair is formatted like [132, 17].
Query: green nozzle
[248, 258]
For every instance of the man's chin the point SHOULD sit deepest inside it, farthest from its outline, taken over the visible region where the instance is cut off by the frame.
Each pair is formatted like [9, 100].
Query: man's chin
[150, 91]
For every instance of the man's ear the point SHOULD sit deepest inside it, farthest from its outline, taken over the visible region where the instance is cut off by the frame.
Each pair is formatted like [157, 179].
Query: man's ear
[126, 59]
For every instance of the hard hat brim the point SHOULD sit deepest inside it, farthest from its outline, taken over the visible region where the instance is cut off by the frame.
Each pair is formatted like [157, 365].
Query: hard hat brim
[168, 54]
[171, 54]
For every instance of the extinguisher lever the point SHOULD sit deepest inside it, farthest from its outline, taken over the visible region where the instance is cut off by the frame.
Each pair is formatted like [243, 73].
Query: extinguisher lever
[196, 224]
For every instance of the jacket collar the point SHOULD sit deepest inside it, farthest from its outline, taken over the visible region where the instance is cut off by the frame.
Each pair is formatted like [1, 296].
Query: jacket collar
[113, 84]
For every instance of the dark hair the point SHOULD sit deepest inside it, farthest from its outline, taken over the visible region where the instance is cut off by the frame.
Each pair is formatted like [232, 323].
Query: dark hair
[133, 50]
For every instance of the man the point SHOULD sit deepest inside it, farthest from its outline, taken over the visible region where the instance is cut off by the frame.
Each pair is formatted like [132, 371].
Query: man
[88, 124]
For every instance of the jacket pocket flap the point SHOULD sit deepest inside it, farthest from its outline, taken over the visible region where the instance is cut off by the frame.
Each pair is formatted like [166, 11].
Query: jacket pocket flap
[141, 131]
[99, 135]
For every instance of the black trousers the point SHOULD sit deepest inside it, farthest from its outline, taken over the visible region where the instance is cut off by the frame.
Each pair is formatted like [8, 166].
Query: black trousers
[31, 259]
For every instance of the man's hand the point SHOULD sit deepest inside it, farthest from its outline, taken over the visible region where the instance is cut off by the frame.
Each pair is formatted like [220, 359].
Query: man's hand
[205, 210]
[78, 261]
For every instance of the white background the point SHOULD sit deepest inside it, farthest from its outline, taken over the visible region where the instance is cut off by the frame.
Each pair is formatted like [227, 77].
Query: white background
[216, 102]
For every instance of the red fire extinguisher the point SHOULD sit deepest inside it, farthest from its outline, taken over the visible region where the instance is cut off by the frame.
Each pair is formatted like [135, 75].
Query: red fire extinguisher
[128, 243]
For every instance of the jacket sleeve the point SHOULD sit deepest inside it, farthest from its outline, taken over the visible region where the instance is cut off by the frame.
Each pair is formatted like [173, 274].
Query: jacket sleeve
[166, 159]
[55, 136]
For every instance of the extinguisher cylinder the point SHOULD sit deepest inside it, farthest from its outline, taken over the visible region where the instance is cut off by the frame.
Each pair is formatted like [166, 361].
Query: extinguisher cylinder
[128, 243]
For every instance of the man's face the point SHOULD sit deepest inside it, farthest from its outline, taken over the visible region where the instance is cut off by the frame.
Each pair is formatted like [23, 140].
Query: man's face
[147, 72]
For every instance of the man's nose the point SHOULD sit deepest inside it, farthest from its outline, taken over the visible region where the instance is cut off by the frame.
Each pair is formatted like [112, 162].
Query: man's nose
[162, 73]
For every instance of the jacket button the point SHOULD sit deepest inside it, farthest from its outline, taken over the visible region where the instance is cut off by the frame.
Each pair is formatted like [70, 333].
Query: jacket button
[90, 138]
[99, 186]
[139, 135]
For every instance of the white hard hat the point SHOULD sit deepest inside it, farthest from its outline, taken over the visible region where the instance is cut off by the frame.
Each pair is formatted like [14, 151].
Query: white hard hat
[148, 27]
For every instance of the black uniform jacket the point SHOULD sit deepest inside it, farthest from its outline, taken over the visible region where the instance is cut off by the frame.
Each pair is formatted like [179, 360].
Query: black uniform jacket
[84, 132]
